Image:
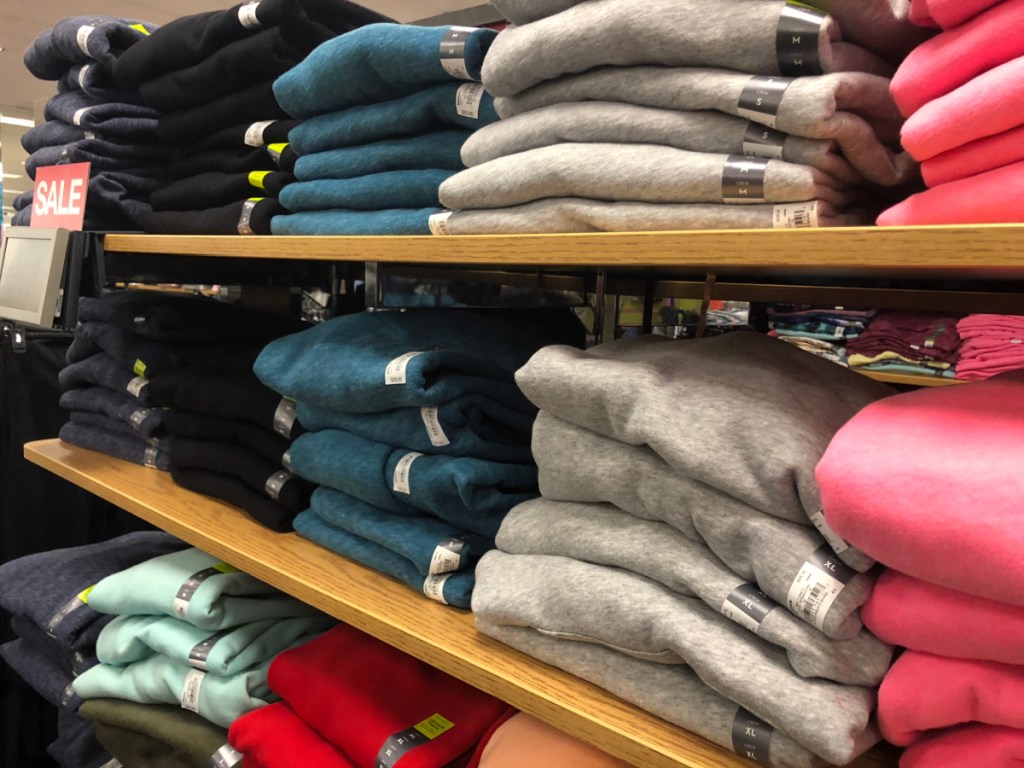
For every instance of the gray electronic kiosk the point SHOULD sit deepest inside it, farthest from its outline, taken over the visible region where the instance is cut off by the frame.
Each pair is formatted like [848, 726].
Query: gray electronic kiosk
[32, 273]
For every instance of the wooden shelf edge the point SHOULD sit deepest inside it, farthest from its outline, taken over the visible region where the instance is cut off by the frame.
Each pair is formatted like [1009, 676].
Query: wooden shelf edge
[910, 379]
[440, 636]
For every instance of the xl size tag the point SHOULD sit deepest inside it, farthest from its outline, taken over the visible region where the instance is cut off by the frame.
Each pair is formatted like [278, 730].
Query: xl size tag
[751, 737]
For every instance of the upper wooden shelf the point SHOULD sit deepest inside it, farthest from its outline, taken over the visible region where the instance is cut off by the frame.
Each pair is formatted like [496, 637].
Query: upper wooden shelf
[989, 251]
[443, 637]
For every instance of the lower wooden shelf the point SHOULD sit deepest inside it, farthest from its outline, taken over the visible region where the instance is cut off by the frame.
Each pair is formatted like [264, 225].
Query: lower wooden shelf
[910, 379]
[441, 636]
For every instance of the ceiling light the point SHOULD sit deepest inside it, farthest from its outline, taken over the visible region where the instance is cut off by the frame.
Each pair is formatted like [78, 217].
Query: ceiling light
[12, 175]
[17, 121]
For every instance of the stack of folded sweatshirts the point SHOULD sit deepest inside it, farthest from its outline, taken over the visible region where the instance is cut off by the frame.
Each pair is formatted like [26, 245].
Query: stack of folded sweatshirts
[990, 345]
[47, 594]
[387, 109]
[928, 483]
[959, 92]
[822, 331]
[628, 115]
[210, 76]
[916, 343]
[678, 499]
[418, 437]
[191, 629]
[351, 700]
[94, 120]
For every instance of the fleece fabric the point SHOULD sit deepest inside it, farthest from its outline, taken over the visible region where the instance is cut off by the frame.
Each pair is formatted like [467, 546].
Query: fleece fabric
[275, 737]
[258, 134]
[947, 13]
[923, 336]
[578, 601]
[439, 108]
[923, 694]
[787, 405]
[987, 154]
[523, 741]
[81, 40]
[118, 443]
[468, 425]
[76, 744]
[236, 159]
[214, 189]
[853, 108]
[42, 672]
[449, 588]
[397, 221]
[183, 126]
[380, 62]
[197, 426]
[602, 122]
[231, 490]
[143, 422]
[343, 684]
[375, 361]
[373, 192]
[993, 197]
[97, 82]
[248, 217]
[951, 452]
[155, 735]
[672, 692]
[129, 122]
[438, 149]
[94, 419]
[104, 156]
[575, 214]
[604, 535]
[224, 597]
[986, 745]
[925, 617]
[104, 371]
[56, 133]
[637, 172]
[74, 662]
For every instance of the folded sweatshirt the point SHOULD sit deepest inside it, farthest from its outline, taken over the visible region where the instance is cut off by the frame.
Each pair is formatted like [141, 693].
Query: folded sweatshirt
[975, 157]
[130, 122]
[42, 672]
[267, 443]
[103, 155]
[575, 214]
[76, 743]
[692, 33]
[245, 217]
[946, 457]
[253, 103]
[923, 694]
[214, 189]
[373, 192]
[80, 40]
[672, 692]
[853, 108]
[786, 404]
[604, 535]
[925, 617]
[358, 692]
[523, 740]
[236, 159]
[275, 737]
[105, 371]
[121, 408]
[607, 606]
[195, 587]
[375, 361]
[776, 555]
[991, 746]
[992, 197]
[637, 172]
[380, 62]
[439, 149]
[929, 336]
[439, 108]
[229, 489]
[97, 82]
[602, 122]
[396, 221]
[52, 133]
[257, 134]
[947, 13]
[151, 452]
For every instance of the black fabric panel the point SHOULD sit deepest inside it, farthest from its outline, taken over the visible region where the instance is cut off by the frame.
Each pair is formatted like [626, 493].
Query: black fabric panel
[234, 136]
[213, 190]
[213, 221]
[255, 103]
[239, 159]
[181, 422]
[233, 491]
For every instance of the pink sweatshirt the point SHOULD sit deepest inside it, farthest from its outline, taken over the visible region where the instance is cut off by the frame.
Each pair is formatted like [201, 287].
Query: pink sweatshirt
[970, 746]
[946, 13]
[993, 197]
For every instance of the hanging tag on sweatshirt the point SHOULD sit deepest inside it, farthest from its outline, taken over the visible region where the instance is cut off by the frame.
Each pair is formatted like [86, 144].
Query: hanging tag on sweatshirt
[247, 15]
[762, 141]
[82, 38]
[796, 39]
[254, 133]
[435, 431]
[226, 757]
[400, 477]
[747, 606]
[468, 98]
[743, 179]
[453, 52]
[817, 585]
[438, 223]
[751, 737]
[795, 216]
[761, 99]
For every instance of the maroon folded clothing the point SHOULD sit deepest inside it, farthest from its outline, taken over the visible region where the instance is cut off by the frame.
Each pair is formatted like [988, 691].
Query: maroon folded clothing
[275, 737]
[915, 335]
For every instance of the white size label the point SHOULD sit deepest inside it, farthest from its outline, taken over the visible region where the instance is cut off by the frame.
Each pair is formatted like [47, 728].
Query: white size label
[468, 98]
[82, 37]
[834, 540]
[226, 757]
[190, 691]
[816, 587]
[254, 133]
[400, 479]
[247, 16]
[136, 385]
[433, 587]
[438, 223]
[77, 117]
[795, 215]
[435, 431]
[395, 371]
[83, 73]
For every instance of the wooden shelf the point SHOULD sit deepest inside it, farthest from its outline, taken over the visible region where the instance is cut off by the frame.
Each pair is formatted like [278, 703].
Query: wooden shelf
[990, 251]
[441, 636]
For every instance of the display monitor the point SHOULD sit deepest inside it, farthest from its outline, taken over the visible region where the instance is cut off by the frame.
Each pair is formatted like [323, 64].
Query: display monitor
[31, 274]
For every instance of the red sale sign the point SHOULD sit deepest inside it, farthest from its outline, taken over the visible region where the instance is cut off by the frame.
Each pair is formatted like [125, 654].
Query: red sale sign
[59, 199]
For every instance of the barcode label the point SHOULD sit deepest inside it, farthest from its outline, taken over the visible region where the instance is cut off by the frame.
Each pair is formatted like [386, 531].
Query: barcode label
[468, 98]
[447, 556]
[395, 371]
[400, 478]
[817, 585]
[190, 691]
[433, 587]
[795, 215]
[136, 385]
[438, 223]
[435, 431]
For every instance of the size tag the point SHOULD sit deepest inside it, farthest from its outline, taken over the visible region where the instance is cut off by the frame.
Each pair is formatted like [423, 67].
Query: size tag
[796, 40]
[89, 135]
[468, 98]
[747, 606]
[139, 368]
[77, 663]
[433, 587]
[400, 478]
[286, 460]
[77, 117]
[743, 179]
[200, 654]
[398, 744]
[438, 223]
[114, 763]
[284, 417]
[254, 133]
[795, 215]
[762, 141]
[435, 431]
[247, 15]
[275, 151]
[76, 602]
[82, 38]
[245, 219]
[83, 73]
[150, 456]
[453, 52]
[138, 416]
[751, 737]
[817, 585]
[834, 540]
[187, 591]
[256, 178]
[226, 757]
[190, 691]
[275, 483]
[761, 99]
[395, 371]
[136, 385]
[447, 556]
